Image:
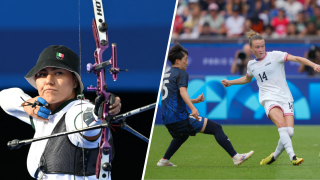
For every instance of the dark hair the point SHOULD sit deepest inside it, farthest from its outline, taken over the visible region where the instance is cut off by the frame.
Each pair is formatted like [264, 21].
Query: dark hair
[252, 35]
[206, 24]
[268, 26]
[176, 52]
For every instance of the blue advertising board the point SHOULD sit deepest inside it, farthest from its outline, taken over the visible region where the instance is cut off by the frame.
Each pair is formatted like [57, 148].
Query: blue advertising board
[217, 58]
[240, 104]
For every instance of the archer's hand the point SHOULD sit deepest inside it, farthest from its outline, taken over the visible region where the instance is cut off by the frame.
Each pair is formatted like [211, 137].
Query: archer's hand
[195, 113]
[33, 111]
[116, 107]
[317, 68]
[113, 108]
[200, 98]
[226, 83]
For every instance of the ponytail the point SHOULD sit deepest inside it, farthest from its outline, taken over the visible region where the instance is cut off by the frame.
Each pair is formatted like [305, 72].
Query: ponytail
[252, 35]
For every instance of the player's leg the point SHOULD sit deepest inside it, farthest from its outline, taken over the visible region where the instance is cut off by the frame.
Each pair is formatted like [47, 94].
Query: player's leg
[173, 147]
[215, 129]
[280, 148]
[222, 139]
[180, 133]
[276, 116]
[285, 112]
[290, 124]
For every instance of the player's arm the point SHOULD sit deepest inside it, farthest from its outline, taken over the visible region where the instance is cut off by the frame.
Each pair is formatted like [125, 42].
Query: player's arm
[199, 99]
[243, 80]
[185, 96]
[304, 61]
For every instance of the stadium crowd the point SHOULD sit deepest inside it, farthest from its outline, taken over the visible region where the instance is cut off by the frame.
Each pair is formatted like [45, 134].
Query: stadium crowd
[231, 18]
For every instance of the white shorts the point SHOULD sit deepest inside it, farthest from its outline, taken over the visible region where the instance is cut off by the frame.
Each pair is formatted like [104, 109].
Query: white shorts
[286, 107]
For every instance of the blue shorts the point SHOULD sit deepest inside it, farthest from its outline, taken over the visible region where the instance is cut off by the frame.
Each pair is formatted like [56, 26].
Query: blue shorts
[189, 127]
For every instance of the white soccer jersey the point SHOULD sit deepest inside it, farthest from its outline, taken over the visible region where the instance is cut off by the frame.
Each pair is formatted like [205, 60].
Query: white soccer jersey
[270, 76]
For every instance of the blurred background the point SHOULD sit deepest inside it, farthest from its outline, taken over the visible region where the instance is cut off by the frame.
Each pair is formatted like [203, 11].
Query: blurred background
[213, 31]
[141, 30]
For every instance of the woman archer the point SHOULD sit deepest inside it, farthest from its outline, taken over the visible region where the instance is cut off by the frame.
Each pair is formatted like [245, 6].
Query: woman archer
[57, 80]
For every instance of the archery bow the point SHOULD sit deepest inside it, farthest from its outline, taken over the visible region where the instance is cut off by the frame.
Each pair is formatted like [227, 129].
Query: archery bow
[100, 33]
[99, 28]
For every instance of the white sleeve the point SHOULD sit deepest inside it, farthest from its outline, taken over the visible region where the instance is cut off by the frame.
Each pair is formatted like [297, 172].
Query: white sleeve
[10, 102]
[79, 117]
[249, 73]
[280, 56]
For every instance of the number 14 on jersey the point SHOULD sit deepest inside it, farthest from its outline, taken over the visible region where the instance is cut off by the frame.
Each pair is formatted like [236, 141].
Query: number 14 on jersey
[264, 76]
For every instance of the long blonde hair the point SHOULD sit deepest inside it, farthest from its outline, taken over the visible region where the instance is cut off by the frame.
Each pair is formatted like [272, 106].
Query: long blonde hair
[252, 35]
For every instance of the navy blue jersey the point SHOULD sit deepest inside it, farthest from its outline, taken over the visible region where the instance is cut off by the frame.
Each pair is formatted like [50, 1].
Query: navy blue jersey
[173, 107]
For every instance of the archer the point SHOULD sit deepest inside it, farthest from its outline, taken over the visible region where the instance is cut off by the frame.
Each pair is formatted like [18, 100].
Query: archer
[57, 109]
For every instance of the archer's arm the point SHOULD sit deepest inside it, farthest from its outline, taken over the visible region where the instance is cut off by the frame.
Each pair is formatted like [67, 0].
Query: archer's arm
[304, 61]
[89, 118]
[10, 102]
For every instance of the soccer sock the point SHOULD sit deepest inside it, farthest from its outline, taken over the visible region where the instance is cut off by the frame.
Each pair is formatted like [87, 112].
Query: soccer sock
[221, 138]
[286, 141]
[174, 146]
[280, 148]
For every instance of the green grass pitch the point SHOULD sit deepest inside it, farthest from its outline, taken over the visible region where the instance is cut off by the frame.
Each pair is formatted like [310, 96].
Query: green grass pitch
[201, 157]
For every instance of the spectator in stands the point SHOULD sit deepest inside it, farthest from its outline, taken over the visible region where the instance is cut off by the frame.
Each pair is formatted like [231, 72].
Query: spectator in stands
[280, 22]
[196, 19]
[177, 27]
[311, 29]
[291, 30]
[313, 55]
[221, 4]
[316, 17]
[193, 4]
[235, 23]
[308, 8]
[187, 31]
[215, 20]
[242, 10]
[182, 5]
[301, 24]
[185, 8]
[247, 25]
[257, 7]
[257, 24]
[206, 31]
[292, 7]
[269, 32]
[241, 59]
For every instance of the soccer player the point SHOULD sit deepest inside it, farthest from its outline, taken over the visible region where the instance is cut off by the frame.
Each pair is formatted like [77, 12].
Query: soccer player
[176, 117]
[274, 93]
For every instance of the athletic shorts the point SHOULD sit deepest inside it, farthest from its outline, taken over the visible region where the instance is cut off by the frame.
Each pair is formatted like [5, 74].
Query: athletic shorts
[189, 127]
[286, 107]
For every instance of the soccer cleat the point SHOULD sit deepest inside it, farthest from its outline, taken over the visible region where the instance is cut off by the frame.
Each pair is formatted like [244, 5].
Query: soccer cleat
[268, 160]
[296, 161]
[165, 162]
[240, 158]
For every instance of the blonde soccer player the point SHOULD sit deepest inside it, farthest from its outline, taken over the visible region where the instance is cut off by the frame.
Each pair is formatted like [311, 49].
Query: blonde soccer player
[274, 93]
